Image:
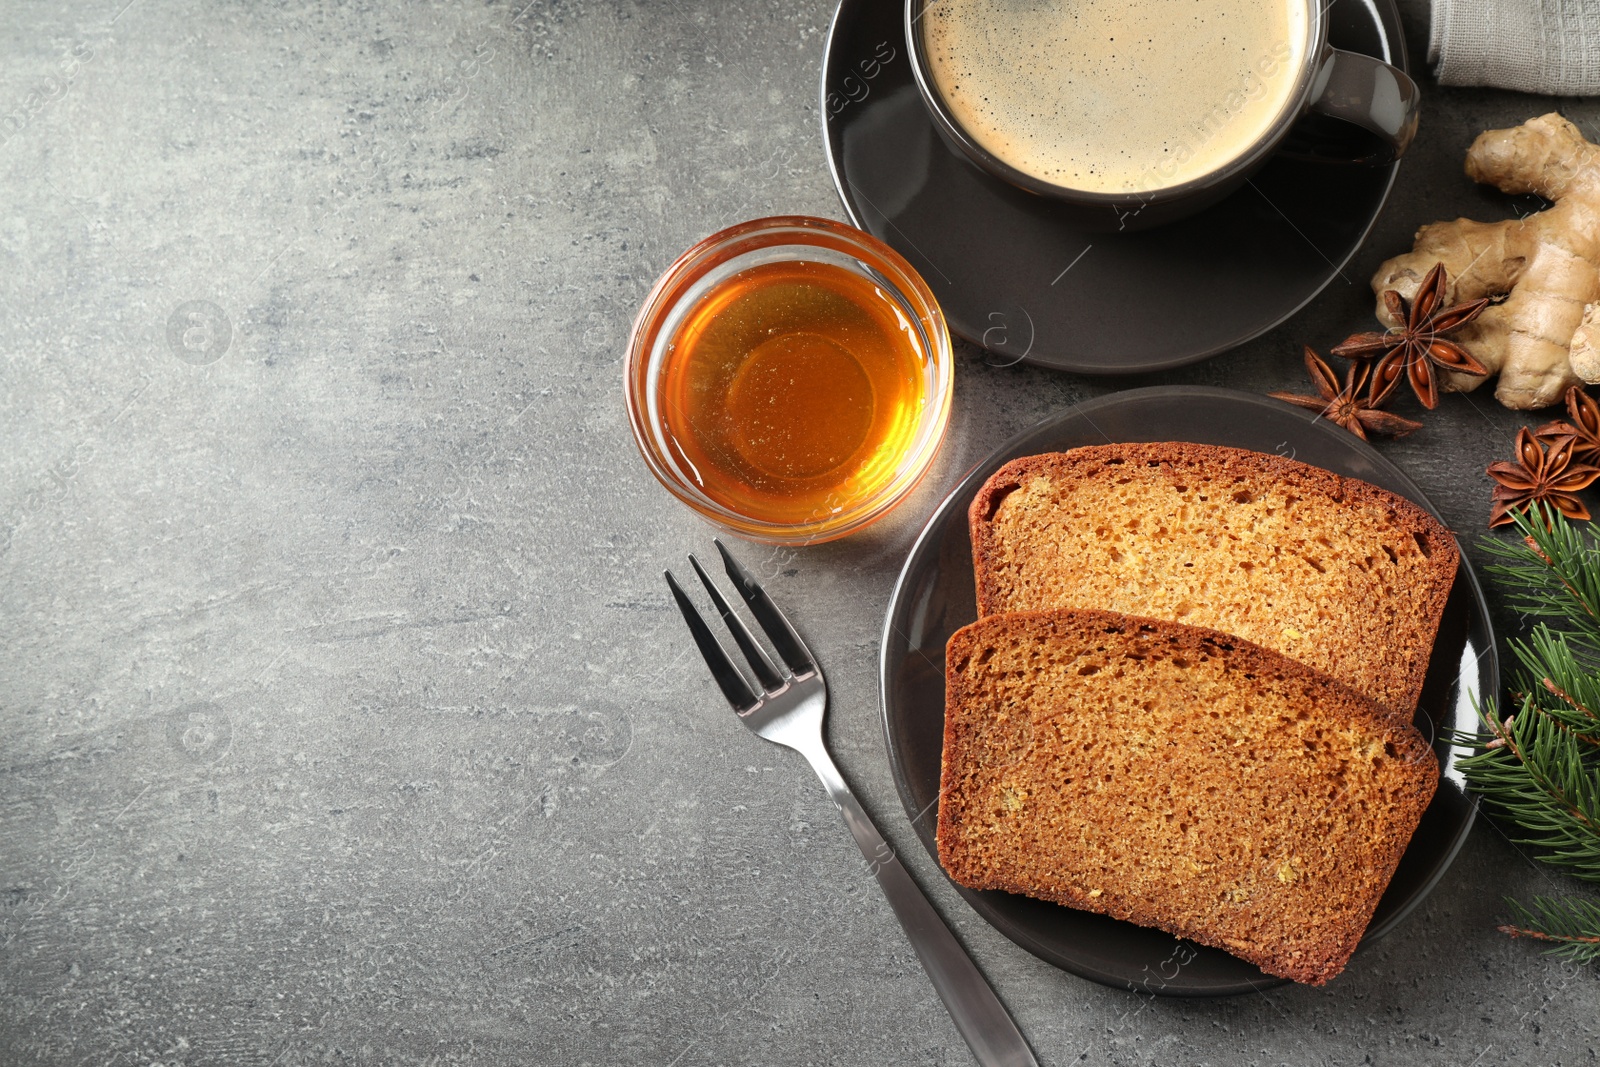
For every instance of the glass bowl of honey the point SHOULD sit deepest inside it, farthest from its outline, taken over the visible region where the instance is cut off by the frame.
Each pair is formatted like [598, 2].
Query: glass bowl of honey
[789, 379]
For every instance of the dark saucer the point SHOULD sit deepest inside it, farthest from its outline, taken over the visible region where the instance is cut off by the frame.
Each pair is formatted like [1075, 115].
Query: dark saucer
[935, 597]
[1015, 277]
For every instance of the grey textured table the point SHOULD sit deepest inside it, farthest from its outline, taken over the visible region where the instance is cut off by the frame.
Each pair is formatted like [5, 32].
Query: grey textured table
[327, 619]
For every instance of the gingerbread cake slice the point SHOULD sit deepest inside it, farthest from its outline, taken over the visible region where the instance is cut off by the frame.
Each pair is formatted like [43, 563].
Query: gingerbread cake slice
[1331, 571]
[1175, 777]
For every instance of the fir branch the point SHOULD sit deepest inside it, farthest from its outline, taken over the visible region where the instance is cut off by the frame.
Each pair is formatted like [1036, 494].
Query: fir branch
[1553, 573]
[1541, 770]
[1552, 667]
[1571, 926]
[1538, 778]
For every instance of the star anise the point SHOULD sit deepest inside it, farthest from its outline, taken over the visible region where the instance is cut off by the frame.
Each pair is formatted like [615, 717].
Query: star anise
[1416, 348]
[1345, 404]
[1584, 429]
[1543, 475]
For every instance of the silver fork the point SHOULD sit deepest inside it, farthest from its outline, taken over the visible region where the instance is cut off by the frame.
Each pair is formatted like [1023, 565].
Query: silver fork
[788, 709]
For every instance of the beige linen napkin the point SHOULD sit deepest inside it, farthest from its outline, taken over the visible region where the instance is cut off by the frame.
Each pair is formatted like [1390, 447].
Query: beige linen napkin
[1537, 46]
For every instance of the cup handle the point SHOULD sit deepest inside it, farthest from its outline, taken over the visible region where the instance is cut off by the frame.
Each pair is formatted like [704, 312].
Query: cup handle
[1368, 93]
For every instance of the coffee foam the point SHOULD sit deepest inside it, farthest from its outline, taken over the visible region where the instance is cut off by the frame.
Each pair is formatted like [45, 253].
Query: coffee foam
[1115, 95]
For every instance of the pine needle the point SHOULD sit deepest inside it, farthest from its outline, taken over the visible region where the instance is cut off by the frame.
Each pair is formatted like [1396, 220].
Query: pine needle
[1570, 926]
[1553, 573]
[1540, 781]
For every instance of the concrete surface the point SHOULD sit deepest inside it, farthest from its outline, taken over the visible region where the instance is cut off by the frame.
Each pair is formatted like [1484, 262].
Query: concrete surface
[345, 716]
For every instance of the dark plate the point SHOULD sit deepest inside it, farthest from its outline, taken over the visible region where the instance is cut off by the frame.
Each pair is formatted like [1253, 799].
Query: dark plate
[1015, 277]
[935, 597]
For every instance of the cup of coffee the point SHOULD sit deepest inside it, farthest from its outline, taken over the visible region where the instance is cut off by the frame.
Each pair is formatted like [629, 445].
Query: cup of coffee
[1138, 112]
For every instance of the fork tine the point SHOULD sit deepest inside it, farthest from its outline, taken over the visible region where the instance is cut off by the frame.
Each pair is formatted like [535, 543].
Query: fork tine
[766, 673]
[790, 648]
[733, 685]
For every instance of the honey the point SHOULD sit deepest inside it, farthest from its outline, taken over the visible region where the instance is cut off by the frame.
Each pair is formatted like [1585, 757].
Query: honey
[792, 391]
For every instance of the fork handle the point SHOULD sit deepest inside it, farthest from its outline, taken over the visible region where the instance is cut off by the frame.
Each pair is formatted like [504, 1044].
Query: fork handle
[978, 1014]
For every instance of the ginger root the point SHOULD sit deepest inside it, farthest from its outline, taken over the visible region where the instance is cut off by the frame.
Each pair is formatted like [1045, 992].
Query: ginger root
[1542, 272]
